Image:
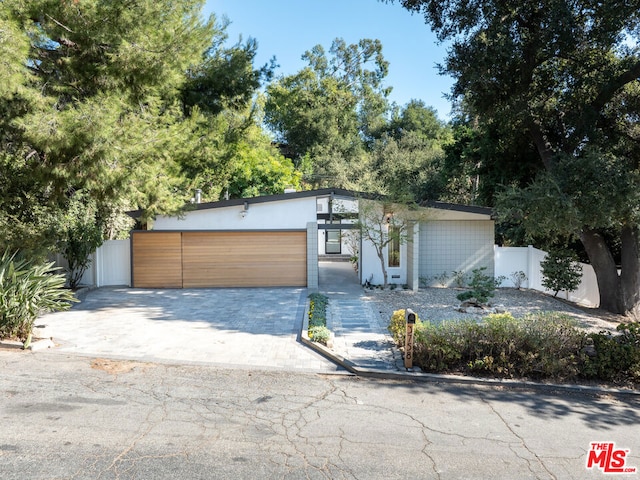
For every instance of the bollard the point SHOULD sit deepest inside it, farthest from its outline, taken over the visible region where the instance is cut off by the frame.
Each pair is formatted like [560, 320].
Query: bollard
[410, 323]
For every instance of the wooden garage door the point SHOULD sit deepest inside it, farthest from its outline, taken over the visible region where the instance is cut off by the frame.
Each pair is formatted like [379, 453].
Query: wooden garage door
[244, 259]
[219, 259]
[157, 259]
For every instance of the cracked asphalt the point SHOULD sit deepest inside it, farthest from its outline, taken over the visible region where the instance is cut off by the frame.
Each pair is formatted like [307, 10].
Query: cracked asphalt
[74, 417]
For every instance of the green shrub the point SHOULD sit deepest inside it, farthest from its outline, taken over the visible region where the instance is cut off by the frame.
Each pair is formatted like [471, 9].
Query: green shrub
[540, 345]
[318, 330]
[318, 310]
[81, 235]
[518, 278]
[397, 326]
[28, 289]
[561, 271]
[319, 334]
[617, 358]
[482, 287]
[438, 348]
[537, 346]
[459, 278]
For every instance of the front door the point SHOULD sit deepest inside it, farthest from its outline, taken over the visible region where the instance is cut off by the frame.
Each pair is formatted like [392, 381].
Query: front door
[332, 241]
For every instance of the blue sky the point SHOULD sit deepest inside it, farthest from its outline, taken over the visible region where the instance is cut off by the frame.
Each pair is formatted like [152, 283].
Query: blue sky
[287, 28]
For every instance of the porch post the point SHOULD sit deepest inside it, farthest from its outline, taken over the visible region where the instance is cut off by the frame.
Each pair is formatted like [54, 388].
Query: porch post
[413, 255]
[312, 256]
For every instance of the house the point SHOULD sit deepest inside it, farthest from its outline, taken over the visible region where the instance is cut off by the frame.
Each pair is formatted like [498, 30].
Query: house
[277, 240]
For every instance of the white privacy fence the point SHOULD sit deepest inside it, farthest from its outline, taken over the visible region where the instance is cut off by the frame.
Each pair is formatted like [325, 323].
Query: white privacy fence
[509, 260]
[110, 265]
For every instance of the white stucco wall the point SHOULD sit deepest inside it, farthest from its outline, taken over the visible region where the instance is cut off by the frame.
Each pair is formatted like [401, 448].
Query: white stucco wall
[287, 214]
[372, 270]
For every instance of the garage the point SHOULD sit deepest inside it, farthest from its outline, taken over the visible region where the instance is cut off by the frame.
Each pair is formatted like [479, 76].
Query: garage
[192, 259]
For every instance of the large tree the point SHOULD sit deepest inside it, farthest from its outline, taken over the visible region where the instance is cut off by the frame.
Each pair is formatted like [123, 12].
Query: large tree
[133, 103]
[565, 75]
[328, 111]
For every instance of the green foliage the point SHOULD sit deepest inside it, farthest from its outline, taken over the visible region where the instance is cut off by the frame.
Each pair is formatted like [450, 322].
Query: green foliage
[136, 104]
[80, 234]
[319, 334]
[398, 325]
[561, 271]
[518, 278]
[318, 331]
[436, 347]
[259, 168]
[617, 358]
[28, 289]
[459, 278]
[550, 91]
[334, 114]
[538, 346]
[482, 287]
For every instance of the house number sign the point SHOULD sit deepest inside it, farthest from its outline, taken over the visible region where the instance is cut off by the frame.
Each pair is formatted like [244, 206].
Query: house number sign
[410, 318]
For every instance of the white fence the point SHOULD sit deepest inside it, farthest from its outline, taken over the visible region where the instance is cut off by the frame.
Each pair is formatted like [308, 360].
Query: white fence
[509, 260]
[110, 265]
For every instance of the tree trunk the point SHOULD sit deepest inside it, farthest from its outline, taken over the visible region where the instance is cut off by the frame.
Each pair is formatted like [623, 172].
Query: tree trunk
[618, 293]
[380, 253]
[630, 272]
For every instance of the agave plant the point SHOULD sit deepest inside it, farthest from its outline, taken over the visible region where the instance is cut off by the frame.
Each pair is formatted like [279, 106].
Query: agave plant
[28, 289]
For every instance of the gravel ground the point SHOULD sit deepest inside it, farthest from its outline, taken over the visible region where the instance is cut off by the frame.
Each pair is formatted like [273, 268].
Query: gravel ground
[438, 304]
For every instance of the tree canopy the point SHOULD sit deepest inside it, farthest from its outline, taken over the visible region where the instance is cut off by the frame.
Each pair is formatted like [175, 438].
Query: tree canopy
[335, 116]
[132, 104]
[560, 79]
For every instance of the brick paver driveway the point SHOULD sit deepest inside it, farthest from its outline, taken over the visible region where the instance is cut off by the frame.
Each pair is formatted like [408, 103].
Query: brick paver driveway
[248, 327]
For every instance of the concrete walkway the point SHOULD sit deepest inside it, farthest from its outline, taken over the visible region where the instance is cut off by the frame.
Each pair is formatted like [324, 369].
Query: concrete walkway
[361, 336]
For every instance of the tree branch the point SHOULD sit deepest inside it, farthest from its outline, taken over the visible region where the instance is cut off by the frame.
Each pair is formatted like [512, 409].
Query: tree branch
[615, 84]
[542, 144]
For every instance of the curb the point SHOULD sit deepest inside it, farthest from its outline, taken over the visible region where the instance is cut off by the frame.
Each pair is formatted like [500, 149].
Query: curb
[36, 345]
[454, 379]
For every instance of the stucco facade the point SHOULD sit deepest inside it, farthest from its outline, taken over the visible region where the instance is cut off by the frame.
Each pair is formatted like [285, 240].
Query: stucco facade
[444, 238]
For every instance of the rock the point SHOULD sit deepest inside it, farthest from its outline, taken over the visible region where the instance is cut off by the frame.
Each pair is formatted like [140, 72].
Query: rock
[589, 349]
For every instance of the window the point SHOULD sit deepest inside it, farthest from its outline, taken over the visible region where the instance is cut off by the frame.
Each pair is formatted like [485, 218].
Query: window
[393, 247]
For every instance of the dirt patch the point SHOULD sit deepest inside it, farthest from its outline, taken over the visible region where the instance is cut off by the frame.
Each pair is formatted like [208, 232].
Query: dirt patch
[115, 367]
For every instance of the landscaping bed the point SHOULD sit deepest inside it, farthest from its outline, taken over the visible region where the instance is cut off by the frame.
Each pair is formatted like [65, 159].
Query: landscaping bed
[537, 338]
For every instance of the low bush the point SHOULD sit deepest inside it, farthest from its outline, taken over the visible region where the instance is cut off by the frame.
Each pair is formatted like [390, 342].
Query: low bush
[397, 326]
[615, 358]
[28, 289]
[319, 334]
[482, 287]
[318, 330]
[540, 345]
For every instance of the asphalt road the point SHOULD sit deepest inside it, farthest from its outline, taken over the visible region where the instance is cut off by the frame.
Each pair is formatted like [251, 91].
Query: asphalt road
[71, 417]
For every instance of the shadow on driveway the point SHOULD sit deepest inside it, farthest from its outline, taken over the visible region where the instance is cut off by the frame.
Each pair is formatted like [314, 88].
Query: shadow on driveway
[232, 326]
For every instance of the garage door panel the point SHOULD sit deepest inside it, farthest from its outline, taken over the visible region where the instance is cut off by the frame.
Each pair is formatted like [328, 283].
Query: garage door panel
[157, 259]
[244, 259]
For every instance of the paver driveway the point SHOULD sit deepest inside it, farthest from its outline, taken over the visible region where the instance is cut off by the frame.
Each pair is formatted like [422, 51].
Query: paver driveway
[250, 327]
